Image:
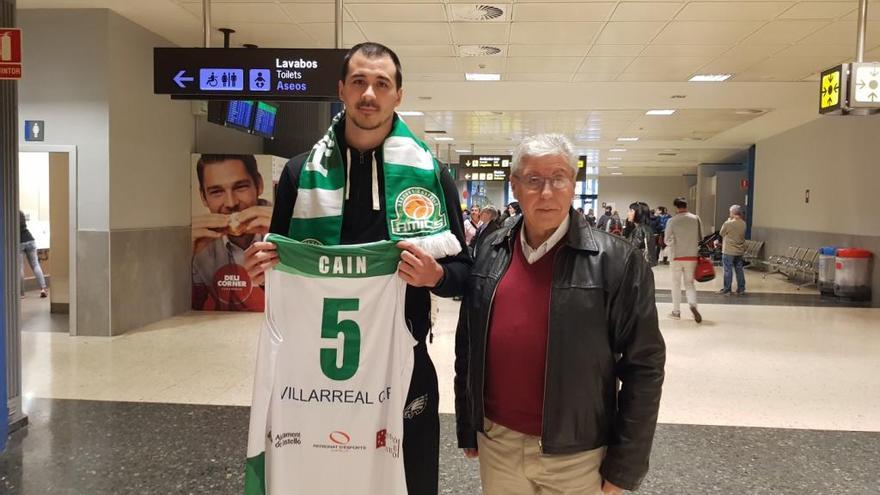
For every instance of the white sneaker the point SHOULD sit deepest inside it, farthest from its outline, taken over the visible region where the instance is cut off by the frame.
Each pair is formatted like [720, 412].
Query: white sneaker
[675, 315]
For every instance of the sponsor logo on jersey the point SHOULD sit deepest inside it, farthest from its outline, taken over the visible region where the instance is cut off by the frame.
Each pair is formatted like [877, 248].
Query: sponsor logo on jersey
[416, 407]
[340, 437]
[389, 442]
[286, 439]
[418, 210]
[339, 441]
[312, 242]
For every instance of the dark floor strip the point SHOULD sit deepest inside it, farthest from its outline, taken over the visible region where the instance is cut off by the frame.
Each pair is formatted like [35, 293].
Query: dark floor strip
[87, 447]
[767, 299]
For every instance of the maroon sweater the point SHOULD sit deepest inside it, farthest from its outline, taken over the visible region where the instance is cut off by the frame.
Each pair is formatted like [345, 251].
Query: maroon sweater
[516, 350]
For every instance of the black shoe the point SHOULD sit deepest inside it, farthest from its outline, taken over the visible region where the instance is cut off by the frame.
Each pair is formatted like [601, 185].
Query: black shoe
[740, 292]
[697, 316]
[726, 292]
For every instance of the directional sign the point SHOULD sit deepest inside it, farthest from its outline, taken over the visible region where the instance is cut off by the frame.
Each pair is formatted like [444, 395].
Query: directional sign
[271, 74]
[865, 86]
[832, 90]
[10, 53]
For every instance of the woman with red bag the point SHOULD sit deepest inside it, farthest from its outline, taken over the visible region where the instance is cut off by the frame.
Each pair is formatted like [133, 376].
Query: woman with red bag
[683, 234]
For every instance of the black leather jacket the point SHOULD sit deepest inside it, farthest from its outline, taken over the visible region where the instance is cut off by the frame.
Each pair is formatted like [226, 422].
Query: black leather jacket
[603, 331]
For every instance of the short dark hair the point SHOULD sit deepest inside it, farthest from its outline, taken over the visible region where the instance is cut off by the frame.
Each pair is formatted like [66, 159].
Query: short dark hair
[680, 203]
[249, 161]
[609, 209]
[373, 50]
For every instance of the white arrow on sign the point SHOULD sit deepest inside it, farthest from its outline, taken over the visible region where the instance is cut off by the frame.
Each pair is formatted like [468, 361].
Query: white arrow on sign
[180, 79]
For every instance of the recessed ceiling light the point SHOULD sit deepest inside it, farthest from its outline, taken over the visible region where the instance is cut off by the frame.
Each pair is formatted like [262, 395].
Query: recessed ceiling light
[613, 167]
[462, 151]
[410, 113]
[711, 77]
[443, 138]
[479, 76]
[618, 150]
[660, 112]
[616, 173]
[614, 158]
[627, 139]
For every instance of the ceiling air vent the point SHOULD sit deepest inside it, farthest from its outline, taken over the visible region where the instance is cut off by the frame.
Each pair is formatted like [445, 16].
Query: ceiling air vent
[435, 132]
[478, 50]
[477, 12]
[667, 154]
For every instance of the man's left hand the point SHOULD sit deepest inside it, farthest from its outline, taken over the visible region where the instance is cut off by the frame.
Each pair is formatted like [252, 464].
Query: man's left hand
[417, 267]
[610, 489]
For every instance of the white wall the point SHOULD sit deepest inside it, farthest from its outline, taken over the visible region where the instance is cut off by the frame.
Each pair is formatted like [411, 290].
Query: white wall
[838, 160]
[33, 187]
[64, 84]
[656, 191]
[151, 136]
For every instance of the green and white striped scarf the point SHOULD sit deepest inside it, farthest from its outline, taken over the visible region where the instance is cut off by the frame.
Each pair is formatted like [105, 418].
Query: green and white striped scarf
[414, 199]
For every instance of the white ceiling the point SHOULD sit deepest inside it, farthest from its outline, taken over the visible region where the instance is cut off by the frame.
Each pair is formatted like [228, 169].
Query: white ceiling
[589, 69]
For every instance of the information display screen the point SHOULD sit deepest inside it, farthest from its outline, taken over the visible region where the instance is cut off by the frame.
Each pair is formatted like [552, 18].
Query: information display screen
[240, 114]
[264, 121]
[272, 74]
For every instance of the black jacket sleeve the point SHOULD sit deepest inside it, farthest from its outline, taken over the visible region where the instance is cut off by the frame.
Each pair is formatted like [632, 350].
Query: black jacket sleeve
[456, 269]
[466, 432]
[285, 195]
[637, 340]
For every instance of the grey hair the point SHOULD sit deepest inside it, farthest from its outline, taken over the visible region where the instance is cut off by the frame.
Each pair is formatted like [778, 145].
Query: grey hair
[495, 212]
[544, 145]
[736, 210]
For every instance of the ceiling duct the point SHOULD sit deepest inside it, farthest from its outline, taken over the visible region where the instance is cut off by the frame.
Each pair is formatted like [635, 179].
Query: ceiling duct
[478, 50]
[478, 12]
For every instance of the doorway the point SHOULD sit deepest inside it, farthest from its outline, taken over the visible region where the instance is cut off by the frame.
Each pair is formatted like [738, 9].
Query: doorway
[47, 202]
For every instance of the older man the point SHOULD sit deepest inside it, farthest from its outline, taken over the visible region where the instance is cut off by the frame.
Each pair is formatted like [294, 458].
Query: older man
[733, 248]
[555, 315]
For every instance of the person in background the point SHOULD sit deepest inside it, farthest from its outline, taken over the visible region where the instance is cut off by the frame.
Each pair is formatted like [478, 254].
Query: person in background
[28, 250]
[683, 235]
[511, 215]
[615, 225]
[591, 217]
[733, 247]
[580, 211]
[471, 224]
[641, 235]
[490, 221]
[604, 219]
[557, 388]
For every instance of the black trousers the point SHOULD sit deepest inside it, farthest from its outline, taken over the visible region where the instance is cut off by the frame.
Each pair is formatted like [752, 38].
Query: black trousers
[421, 426]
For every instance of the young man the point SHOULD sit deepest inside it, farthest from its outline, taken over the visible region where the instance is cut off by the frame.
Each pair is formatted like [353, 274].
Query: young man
[371, 88]
[538, 358]
[682, 237]
[733, 233]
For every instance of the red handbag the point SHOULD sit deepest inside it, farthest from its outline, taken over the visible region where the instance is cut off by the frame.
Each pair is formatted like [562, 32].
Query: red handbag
[705, 271]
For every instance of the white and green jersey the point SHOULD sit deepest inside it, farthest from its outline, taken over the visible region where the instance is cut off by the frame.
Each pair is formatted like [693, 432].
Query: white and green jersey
[333, 369]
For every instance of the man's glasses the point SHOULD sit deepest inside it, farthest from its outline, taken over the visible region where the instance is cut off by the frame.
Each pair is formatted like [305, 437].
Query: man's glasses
[537, 183]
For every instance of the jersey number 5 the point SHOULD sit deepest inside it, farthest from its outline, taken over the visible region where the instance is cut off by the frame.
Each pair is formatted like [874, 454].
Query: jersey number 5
[331, 328]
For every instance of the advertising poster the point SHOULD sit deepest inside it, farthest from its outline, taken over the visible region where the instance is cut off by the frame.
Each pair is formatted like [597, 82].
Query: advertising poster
[232, 200]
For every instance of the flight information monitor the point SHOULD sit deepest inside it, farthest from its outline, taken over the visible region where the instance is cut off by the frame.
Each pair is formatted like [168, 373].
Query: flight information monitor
[264, 121]
[240, 114]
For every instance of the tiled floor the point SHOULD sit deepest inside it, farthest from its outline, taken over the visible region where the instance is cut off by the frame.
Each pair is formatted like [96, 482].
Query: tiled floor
[774, 359]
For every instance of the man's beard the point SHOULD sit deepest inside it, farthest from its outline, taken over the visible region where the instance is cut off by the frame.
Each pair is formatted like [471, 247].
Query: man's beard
[366, 127]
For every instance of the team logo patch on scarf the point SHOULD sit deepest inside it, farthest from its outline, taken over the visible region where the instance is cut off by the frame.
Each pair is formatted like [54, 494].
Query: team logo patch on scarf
[417, 210]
